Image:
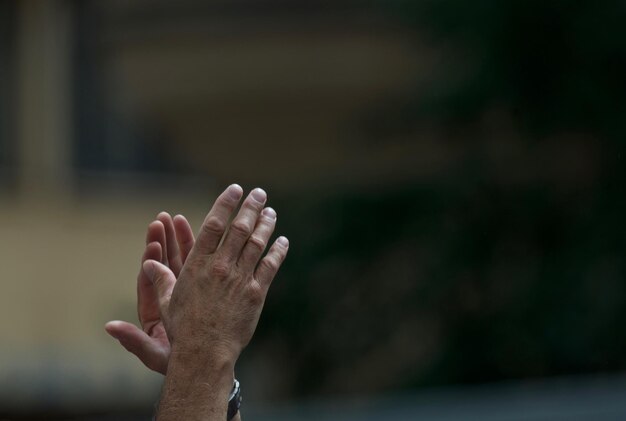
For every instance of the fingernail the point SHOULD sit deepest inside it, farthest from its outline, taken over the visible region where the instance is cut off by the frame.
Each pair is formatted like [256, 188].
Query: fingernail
[269, 212]
[259, 195]
[148, 268]
[283, 241]
[235, 191]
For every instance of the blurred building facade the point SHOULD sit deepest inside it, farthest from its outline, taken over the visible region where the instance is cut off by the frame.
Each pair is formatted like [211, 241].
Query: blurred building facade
[113, 111]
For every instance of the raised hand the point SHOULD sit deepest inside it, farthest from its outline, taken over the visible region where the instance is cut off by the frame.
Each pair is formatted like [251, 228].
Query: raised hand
[168, 241]
[211, 311]
[222, 286]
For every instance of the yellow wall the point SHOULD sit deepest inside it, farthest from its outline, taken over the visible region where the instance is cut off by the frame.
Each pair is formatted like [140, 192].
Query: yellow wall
[68, 266]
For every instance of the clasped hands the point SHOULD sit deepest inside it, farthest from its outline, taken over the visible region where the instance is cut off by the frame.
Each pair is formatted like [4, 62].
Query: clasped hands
[203, 296]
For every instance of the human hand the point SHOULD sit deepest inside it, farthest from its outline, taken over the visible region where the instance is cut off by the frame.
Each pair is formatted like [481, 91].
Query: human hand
[213, 308]
[168, 241]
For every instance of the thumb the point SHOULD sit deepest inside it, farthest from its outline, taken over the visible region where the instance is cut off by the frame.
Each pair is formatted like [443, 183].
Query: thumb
[163, 280]
[137, 342]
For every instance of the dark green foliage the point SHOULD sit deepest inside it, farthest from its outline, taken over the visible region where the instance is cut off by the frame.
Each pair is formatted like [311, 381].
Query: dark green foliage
[469, 277]
[555, 64]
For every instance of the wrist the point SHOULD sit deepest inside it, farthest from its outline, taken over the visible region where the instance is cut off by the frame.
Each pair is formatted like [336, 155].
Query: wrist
[213, 363]
[196, 384]
[203, 356]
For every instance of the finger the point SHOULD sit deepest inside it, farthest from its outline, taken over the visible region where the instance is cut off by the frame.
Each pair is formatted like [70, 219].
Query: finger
[138, 343]
[163, 280]
[156, 232]
[184, 236]
[147, 310]
[269, 265]
[215, 223]
[242, 226]
[255, 246]
[172, 251]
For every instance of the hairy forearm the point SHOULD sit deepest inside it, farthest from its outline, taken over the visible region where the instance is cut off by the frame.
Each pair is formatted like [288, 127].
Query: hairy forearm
[196, 388]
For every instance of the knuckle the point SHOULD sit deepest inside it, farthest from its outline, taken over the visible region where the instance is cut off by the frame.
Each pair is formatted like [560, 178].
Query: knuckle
[213, 225]
[253, 205]
[258, 243]
[227, 201]
[270, 263]
[219, 269]
[256, 294]
[240, 228]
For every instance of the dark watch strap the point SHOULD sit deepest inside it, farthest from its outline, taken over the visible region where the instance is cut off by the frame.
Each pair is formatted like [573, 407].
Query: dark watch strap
[234, 401]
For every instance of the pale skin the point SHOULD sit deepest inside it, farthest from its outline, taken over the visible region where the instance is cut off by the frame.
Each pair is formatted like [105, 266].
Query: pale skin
[199, 301]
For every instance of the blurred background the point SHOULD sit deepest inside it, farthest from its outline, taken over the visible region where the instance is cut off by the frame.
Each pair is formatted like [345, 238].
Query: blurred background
[450, 175]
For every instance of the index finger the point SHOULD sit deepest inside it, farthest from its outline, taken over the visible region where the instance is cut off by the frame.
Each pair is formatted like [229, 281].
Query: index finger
[216, 221]
[171, 245]
[146, 296]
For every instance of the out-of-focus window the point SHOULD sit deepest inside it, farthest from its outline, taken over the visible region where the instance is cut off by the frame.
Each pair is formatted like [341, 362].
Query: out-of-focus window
[110, 134]
[238, 89]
